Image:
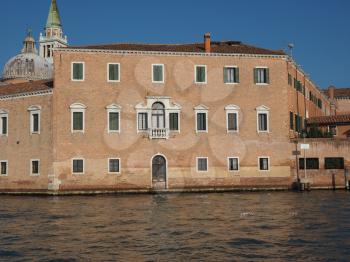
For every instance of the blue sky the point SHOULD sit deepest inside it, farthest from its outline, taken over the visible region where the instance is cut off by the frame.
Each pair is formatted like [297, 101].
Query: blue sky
[320, 30]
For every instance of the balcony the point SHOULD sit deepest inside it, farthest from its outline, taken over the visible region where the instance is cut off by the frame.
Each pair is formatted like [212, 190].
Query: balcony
[158, 133]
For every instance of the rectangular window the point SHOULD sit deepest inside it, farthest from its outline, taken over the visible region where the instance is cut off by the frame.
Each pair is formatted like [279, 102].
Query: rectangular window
[201, 122]
[233, 164]
[201, 74]
[78, 71]
[3, 125]
[202, 164]
[113, 72]
[289, 79]
[113, 124]
[232, 122]
[3, 168]
[174, 121]
[35, 167]
[311, 163]
[291, 120]
[143, 121]
[158, 73]
[263, 122]
[261, 76]
[78, 166]
[264, 164]
[231, 75]
[78, 121]
[334, 163]
[35, 122]
[114, 165]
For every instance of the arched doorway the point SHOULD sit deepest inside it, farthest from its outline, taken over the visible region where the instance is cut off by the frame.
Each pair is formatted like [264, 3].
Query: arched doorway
[159, 172]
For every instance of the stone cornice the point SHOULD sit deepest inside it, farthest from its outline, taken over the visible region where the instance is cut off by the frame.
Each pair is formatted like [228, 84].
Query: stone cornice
[27, 94]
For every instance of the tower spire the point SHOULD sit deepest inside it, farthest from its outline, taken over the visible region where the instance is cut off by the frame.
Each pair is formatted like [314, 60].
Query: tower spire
[53, 19]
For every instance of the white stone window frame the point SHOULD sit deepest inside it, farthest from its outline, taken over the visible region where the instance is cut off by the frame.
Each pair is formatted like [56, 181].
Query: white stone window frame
[206, 75]
[201, 109]
[4, 113]
[7, 167]
[113, 108]
[31, 167]
[263, 110]
[108, 166]
[163, 73]
[268, 163]
[232, 109]
[197, 164]
[170, 107]
[72, 166]
[227, 67]
[33, 110]
[262, 84]
[72, 73]
[77, 108]
[119, 76]
[228, 164]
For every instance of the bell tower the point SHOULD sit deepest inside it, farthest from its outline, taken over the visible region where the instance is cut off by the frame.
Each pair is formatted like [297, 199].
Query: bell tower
[53, 35]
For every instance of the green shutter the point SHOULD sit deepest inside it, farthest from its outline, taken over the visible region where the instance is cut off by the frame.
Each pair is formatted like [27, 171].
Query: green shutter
[225, 75]
[174, 121]
[255, 75]
[267, 72]
[78, 121]
[237, 75]
[113, 72]
[78, 71]
[113, 121]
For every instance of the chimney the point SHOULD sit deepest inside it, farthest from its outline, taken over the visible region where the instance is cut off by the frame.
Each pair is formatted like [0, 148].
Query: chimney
[331, 92]
[207, 42]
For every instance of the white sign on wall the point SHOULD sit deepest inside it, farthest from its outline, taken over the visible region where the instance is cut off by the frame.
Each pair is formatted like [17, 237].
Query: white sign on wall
[305, 146]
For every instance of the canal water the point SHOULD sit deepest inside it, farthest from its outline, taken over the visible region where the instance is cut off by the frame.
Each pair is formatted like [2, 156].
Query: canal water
[265, 226]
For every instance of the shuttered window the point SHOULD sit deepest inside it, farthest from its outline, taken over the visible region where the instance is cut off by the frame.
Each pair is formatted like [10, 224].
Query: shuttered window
[201, 74]
[158, 73]
[35, 123]
[231, 75]
[113, 72]
[174, 121]
[263, 122]
[143, 121]
[291, 120]
[334, 163]
[311, 163]
[35, 167]
[232, 123]
[3, 125]
[78, 71]
[201, 122]
[3, 168]
[78, 120]
[113, 121]
[261, 75]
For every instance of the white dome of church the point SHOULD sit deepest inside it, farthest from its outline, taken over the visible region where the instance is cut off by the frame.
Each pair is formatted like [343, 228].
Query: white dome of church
[27, 65]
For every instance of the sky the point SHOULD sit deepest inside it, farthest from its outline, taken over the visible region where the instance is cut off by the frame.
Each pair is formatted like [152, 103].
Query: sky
[319, 30]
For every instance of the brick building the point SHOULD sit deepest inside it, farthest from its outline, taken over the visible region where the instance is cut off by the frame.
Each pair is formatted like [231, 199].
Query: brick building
[211, 114]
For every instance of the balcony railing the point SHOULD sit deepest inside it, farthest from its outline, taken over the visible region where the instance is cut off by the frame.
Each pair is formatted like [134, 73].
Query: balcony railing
[158, 133]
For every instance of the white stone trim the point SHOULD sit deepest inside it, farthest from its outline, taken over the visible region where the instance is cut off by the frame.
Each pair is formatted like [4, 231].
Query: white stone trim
[77, 108]
[230, 83]
[263, 110]
[232, 109]
[4, 113]
[206, 75]
[113, 108]
[28, 94]
[201, 109]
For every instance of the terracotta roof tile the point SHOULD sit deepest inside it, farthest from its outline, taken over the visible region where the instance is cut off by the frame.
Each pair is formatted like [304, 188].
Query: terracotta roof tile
[229, 47]
[339, 93]
[27, 87]
[325, 120]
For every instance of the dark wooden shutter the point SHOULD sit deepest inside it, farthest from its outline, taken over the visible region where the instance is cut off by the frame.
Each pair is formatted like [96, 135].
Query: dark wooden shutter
[237, 75]
[267, 75]
[255, 75]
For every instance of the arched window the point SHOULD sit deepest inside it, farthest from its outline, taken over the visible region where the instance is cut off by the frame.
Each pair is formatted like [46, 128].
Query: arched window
[158, 115]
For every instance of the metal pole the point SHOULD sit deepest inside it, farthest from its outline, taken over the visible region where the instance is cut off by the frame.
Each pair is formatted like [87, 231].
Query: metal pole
[305, 176]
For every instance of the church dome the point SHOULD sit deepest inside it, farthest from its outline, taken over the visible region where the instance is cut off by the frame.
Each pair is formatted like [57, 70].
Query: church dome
[28, 65]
